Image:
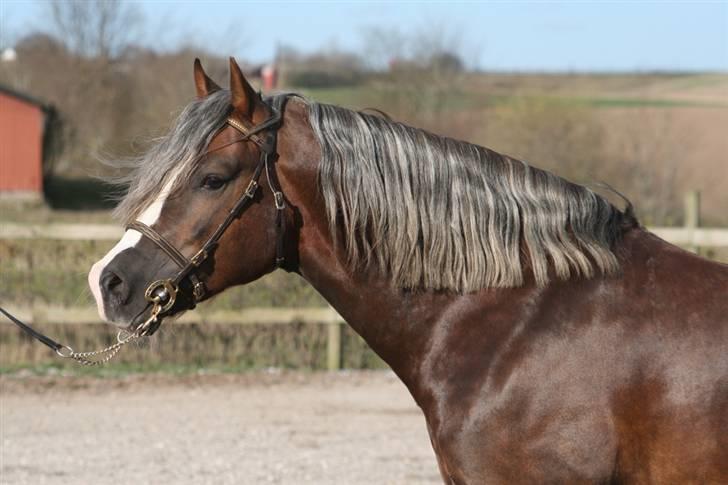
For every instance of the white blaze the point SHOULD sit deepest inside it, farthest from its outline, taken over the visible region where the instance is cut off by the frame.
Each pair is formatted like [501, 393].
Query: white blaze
[129, 240]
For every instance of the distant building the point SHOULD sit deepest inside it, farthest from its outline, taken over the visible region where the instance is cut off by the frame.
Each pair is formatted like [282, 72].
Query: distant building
[269, 75]
[22, 130]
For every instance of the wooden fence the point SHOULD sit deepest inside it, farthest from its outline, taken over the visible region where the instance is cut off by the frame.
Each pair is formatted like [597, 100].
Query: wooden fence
[690, 236]
[40, 314]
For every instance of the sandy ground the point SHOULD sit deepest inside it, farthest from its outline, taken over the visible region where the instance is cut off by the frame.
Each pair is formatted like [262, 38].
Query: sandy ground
[344, 428]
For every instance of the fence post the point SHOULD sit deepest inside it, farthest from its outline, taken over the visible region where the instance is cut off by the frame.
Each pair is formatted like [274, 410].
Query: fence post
[692, 217]
[333, 344]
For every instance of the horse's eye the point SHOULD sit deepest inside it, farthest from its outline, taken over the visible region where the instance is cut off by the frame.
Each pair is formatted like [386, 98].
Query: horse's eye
[213, 182]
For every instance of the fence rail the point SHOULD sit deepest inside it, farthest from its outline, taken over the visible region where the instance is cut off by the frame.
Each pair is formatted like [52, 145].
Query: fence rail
[40, 314]
[68, 232]
[704, 237]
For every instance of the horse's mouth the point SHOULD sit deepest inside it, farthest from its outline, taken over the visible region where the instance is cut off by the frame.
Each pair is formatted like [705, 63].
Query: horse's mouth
[144, 318]
[131, 325]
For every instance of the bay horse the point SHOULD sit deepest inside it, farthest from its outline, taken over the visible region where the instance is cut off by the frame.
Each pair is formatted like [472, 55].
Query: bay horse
[546, 336]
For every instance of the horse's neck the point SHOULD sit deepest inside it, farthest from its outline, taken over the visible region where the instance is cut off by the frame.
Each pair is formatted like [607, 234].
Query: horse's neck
[407, 328]
[392, 322]
[404, 328]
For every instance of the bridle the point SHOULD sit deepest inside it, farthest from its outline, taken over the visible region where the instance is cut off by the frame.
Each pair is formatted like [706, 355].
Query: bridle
[162, 294]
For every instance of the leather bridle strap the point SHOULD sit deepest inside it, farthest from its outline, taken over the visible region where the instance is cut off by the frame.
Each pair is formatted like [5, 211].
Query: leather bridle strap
[179, 258]
[268, 151]
[162, 293]
[189, 266]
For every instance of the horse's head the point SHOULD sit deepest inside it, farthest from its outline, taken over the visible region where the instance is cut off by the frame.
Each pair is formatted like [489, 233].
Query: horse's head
[204, 209]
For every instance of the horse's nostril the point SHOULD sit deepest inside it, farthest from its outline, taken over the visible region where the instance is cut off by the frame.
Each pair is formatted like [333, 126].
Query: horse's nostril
[113, 281]
[113, 285]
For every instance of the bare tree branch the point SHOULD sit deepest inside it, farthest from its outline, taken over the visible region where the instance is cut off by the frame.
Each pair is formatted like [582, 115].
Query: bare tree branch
[95, 28]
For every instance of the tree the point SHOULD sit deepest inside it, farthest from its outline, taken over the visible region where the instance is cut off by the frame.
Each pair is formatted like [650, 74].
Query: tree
[422, 74]
[75, 65]
[99, 29]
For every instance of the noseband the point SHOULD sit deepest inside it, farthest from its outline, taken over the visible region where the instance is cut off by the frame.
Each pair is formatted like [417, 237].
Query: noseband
[162, 294]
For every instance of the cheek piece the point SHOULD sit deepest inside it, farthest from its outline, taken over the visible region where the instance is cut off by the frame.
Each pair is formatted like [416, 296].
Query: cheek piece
[162, 294]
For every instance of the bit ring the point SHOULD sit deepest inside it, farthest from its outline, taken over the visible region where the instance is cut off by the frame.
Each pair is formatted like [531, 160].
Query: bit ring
[154, 294]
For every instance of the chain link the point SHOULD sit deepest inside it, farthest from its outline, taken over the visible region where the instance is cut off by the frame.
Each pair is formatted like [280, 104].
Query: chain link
[108, 353]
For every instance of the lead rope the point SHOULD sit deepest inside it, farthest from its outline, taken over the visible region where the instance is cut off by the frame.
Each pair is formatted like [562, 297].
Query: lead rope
[94, 357]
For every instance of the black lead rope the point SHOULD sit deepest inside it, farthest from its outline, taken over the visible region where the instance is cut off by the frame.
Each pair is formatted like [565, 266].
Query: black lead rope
[95, 357]
[45, 340]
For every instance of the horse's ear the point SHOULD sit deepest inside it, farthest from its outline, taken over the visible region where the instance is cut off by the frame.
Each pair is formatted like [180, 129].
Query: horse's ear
[242, 93]
[203, 84]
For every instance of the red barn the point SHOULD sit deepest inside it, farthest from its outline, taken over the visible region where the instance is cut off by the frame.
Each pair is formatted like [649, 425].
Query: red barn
[22, 128]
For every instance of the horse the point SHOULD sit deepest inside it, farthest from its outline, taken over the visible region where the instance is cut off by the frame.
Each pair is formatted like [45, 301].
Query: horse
[546, 335]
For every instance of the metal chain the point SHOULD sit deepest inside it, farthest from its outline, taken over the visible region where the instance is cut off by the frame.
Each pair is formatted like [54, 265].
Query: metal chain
[87, 358]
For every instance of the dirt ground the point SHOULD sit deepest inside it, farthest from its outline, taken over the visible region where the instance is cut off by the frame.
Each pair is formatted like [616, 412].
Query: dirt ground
[267, 427]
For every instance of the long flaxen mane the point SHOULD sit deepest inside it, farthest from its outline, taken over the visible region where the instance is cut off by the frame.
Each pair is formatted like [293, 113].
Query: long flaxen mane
[430, 211]
[442, 214]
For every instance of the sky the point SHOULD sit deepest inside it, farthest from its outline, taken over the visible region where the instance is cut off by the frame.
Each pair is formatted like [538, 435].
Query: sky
[502, 36]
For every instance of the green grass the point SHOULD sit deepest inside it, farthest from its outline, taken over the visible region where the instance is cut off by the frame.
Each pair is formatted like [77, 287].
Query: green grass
[645, 102]
[385, 97]
[599, 102]
[352, 96]
[359, 97]
[699, 81]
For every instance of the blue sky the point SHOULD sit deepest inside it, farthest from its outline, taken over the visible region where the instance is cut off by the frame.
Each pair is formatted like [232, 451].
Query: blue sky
[522, 36]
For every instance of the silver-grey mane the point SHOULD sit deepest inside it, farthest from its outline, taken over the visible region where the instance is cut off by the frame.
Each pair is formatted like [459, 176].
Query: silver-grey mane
[430, 211]
[180, 149]
[437, 213]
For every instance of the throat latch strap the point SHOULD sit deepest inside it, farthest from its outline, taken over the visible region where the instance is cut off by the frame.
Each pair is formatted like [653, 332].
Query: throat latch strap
[268, 147]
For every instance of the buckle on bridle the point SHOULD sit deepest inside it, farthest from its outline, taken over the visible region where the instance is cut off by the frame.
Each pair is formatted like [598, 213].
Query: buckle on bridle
[250, 190]
[198, 290]
[280, 203]
[200, 256]
[163, 294]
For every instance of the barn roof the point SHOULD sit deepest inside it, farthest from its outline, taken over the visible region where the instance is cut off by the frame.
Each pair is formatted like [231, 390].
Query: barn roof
[24, 97]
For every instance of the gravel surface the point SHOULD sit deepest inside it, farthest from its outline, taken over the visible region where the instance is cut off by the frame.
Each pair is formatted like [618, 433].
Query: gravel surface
[343, 428]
